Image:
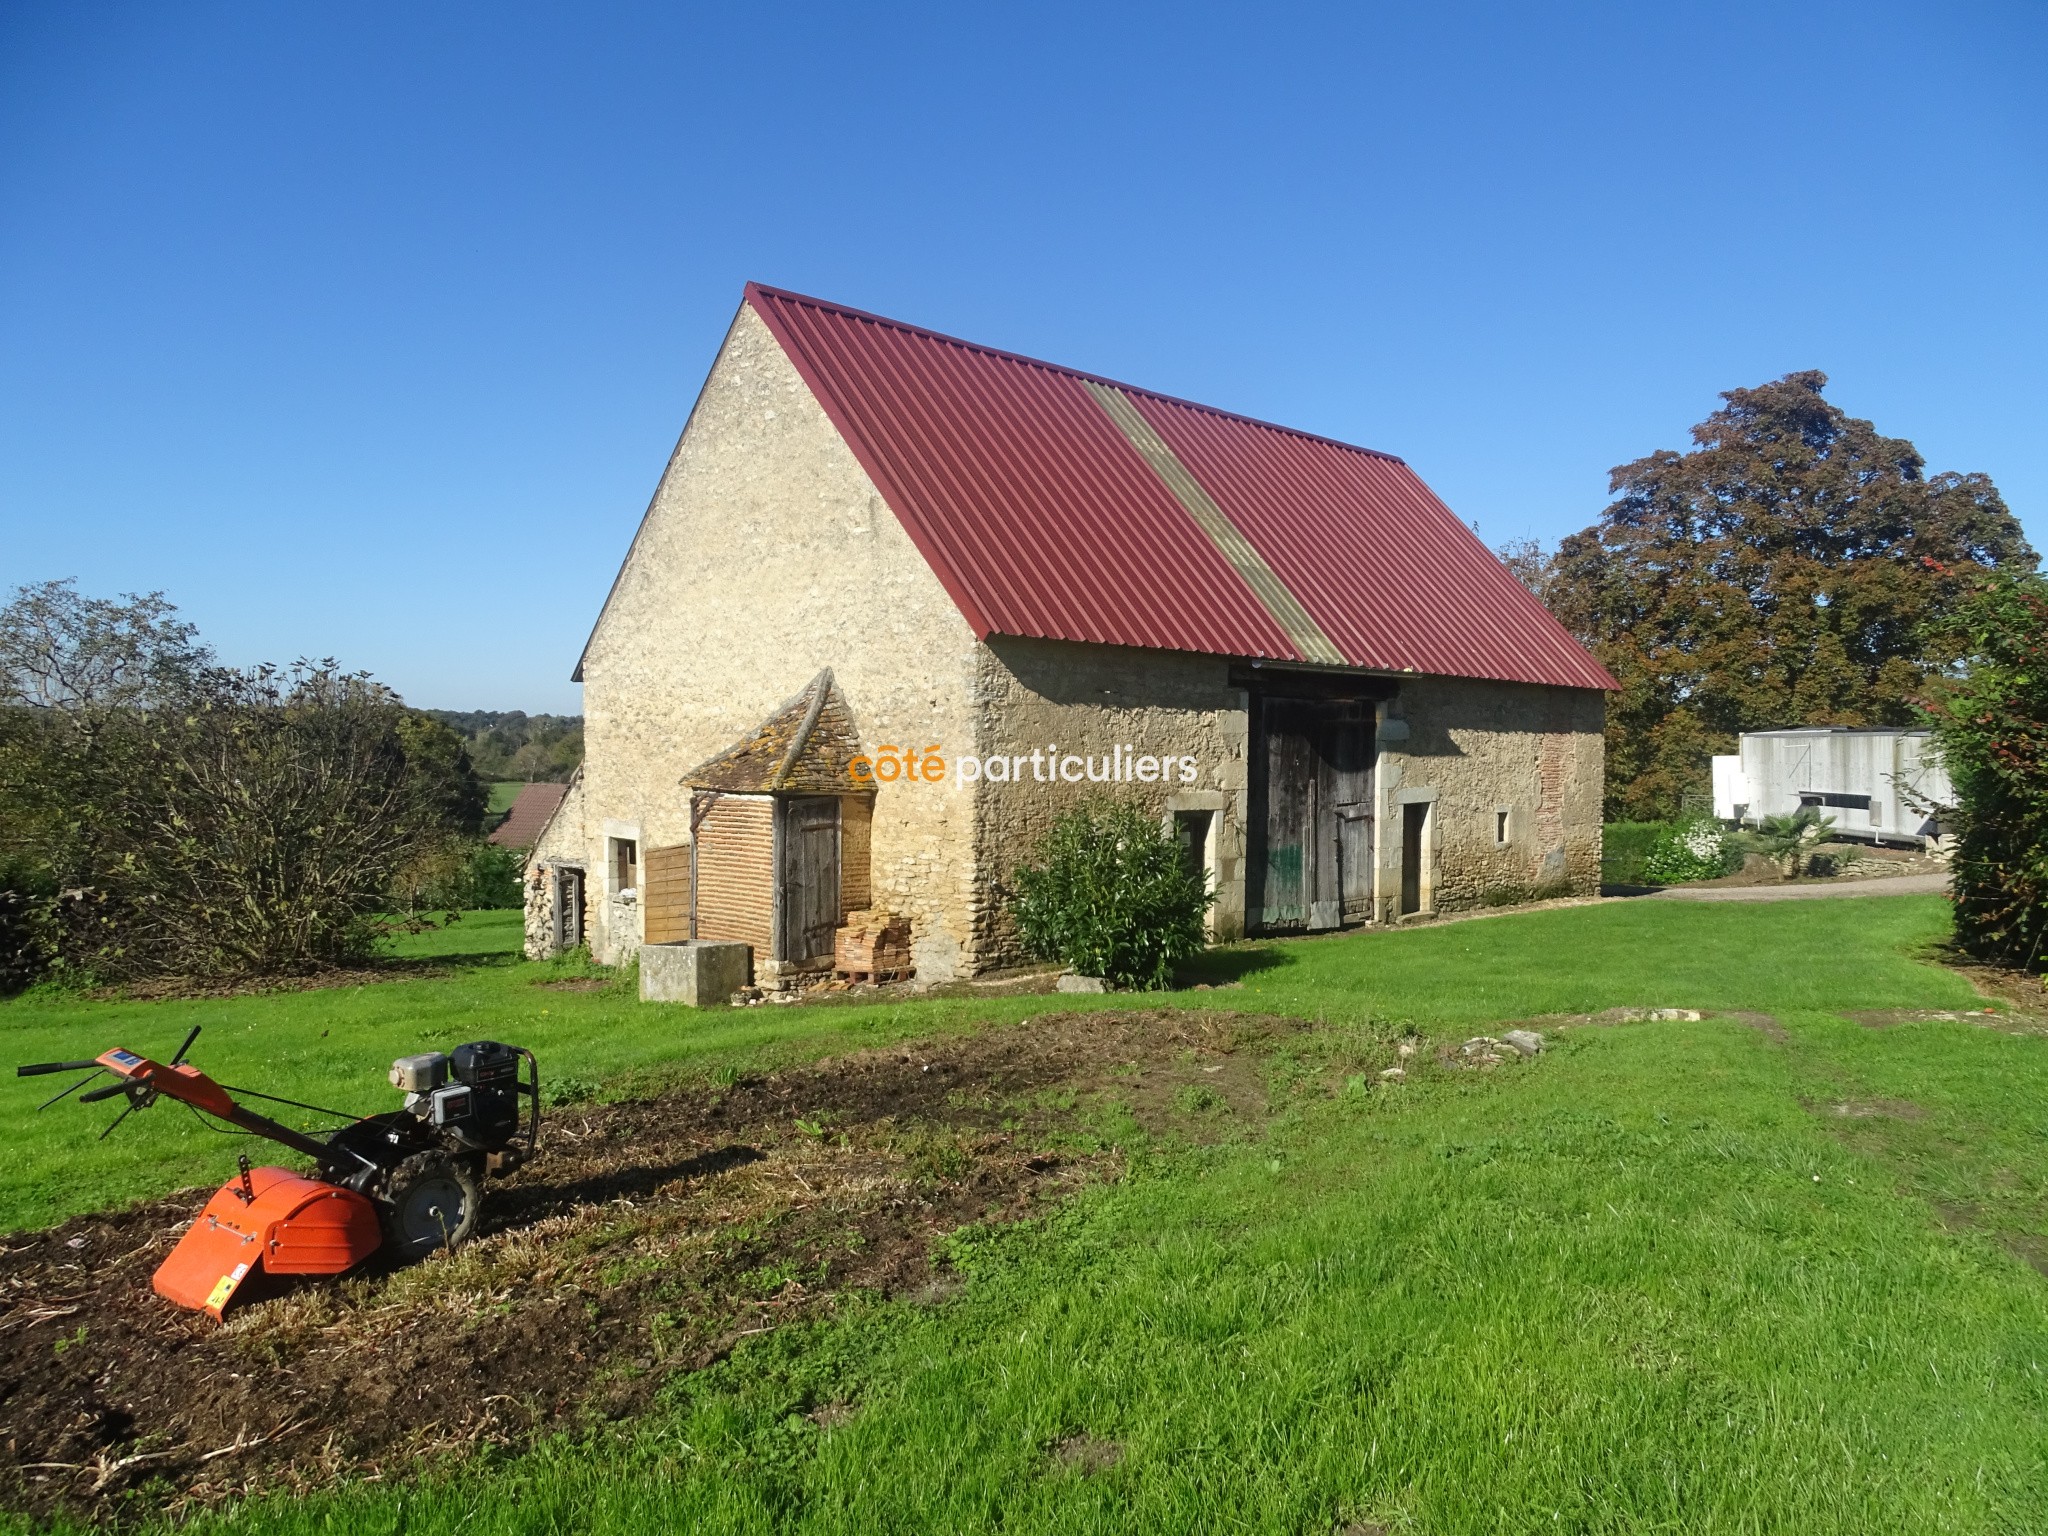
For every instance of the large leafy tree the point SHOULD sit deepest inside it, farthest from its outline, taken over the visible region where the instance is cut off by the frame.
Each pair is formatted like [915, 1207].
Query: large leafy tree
[1782, 572]
[60, 649]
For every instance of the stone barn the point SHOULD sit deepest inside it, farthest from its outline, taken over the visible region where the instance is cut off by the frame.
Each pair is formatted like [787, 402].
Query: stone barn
[899, 600]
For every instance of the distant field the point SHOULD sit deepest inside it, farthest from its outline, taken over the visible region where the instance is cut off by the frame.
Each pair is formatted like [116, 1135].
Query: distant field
[503, 793]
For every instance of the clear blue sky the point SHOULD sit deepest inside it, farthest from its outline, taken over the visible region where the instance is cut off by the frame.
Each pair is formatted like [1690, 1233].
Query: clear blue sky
[365, 330]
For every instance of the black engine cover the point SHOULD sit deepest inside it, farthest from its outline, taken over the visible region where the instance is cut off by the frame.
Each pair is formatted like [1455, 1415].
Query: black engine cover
[491, 1072]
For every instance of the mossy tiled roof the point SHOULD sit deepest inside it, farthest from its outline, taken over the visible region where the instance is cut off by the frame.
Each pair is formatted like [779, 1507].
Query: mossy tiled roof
[801, 749]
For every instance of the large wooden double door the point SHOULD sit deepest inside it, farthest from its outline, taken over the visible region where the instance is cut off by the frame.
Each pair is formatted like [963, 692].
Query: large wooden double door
[1311, 813]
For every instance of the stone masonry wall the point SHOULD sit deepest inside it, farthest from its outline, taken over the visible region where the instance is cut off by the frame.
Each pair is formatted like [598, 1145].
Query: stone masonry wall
[766, 555]
[562, 841]
[1474, 750]
[1089, 700]
[1470, 750]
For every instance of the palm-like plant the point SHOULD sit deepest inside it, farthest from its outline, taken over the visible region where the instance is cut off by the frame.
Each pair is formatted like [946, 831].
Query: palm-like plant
[1788, 839]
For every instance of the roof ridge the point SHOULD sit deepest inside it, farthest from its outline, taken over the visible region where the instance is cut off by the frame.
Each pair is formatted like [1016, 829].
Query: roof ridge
[820, 690]
[791, 296]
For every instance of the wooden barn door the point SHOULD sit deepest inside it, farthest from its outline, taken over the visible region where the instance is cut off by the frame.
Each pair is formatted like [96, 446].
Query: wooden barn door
[1284, 812]
[808, 878]
[1312, 766]
[1351, 751]
[568, 907]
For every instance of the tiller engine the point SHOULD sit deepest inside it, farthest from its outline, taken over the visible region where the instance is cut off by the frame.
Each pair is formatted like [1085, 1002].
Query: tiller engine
[401, 1184]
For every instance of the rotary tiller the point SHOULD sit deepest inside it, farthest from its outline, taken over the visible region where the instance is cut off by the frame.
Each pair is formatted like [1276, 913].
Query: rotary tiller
[403, 1183]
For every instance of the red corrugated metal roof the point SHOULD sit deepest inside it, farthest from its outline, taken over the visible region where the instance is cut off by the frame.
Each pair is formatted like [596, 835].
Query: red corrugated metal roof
[1042, 519]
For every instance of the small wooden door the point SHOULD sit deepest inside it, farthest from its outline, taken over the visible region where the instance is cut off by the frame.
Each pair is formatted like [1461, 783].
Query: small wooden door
[568, 908]
[665, 895]
[1350, 736]
[807, 908]
[1290, 863]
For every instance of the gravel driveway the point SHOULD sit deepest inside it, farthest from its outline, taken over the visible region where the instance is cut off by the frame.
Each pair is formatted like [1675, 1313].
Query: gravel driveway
[1899, 885]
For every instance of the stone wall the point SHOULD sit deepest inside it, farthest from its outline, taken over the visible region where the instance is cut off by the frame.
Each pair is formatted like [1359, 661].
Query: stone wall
[1032, 695]
[562, 841]
[1475, 752]
[766, 555]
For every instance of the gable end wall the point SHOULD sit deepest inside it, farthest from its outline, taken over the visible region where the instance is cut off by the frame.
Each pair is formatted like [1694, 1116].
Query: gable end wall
[767, 554]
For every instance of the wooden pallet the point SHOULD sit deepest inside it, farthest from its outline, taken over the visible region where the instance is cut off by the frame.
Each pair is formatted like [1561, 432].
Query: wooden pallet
[903, 973]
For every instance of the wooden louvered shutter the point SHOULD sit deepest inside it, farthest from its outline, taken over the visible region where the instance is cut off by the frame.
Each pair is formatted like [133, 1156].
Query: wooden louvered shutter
[665, 894]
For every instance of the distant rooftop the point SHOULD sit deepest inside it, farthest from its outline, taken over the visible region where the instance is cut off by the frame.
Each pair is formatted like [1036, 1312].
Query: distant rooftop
[529, 815]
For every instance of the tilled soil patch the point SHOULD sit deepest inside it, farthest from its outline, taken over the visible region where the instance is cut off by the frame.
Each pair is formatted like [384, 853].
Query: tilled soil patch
[1870, 1109]
[646, 1240]
[1888, 1018]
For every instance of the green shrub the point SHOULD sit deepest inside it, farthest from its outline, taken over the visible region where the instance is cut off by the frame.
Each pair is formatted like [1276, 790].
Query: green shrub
[1110, 897]
[1696, 850]
[1624, 846]
[1991, 723]
[28, 929]
[1790, 839]
[491, 878]
[464, 874]
[185, 818]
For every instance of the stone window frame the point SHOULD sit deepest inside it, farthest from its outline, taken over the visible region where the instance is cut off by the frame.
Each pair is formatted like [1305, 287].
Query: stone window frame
[1218, 803]
[618, 834]
[1432, 835]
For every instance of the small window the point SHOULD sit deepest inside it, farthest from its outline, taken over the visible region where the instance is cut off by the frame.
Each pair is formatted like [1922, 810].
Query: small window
[1191, 831]
[1500, 829]
[625, 864]
[1834, 801]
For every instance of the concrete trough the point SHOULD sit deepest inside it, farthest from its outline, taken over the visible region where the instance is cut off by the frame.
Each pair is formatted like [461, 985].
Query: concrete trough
[703, 973]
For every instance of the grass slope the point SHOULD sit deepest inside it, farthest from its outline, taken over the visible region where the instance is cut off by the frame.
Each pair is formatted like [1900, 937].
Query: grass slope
[332, 1047]
[1670, 1277]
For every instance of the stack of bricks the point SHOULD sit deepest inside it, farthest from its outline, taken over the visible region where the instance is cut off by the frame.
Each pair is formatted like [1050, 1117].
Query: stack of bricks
[873, 946]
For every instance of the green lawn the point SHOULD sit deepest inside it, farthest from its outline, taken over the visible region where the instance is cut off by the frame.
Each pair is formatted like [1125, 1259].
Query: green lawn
[1654, 1281]
[332, 1047]
[503, 792]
